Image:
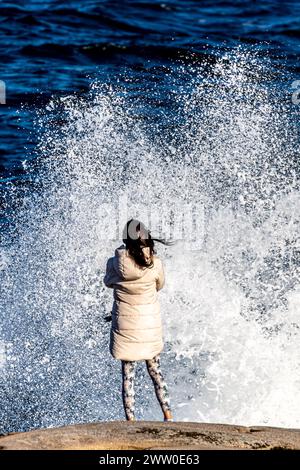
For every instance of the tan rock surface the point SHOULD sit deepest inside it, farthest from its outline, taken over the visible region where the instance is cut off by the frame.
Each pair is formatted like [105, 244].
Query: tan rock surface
[154, 435]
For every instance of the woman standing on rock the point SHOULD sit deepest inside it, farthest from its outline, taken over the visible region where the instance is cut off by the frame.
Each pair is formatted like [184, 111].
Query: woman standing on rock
[136, 274]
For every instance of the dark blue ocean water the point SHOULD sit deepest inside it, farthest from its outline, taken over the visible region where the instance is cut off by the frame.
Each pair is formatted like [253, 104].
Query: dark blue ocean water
[55, 47]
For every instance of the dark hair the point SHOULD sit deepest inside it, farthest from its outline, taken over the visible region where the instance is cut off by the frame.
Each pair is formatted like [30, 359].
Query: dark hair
[136, 237]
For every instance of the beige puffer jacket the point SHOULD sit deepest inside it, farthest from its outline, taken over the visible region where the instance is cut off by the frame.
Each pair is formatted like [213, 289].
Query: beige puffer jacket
[136, 331]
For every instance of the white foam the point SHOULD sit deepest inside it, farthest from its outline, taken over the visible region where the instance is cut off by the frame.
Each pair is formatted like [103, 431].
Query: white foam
[231, 302]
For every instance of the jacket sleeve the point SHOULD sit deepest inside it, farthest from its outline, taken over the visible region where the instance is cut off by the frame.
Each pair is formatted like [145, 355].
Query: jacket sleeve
[160, 280]
[110, 277]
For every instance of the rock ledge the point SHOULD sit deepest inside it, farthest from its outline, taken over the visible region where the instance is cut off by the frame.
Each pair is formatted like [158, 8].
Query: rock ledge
[146, 435]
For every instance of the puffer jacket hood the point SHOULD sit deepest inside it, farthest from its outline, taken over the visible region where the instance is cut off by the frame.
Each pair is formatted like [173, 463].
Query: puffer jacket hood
[125, 266]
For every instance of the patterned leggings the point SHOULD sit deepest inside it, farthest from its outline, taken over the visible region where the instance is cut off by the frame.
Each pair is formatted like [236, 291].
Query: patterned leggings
[161, 389]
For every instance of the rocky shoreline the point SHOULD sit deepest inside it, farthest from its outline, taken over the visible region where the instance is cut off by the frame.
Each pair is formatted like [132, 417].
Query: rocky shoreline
[142, 435]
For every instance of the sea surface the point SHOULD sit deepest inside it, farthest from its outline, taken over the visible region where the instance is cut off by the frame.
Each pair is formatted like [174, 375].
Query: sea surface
[176, 110]
[51, 48]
